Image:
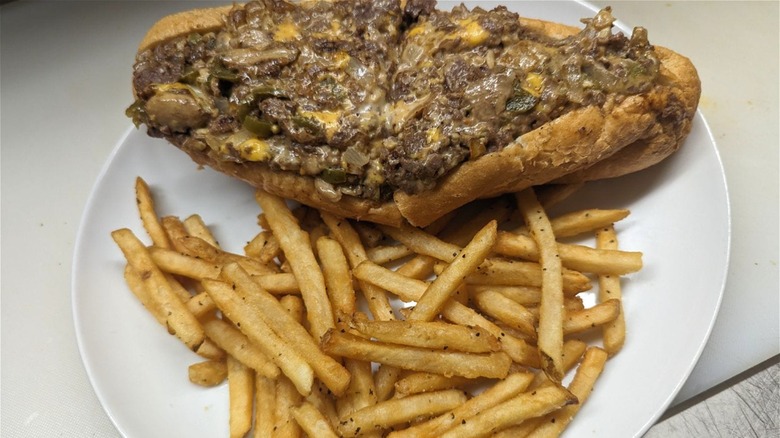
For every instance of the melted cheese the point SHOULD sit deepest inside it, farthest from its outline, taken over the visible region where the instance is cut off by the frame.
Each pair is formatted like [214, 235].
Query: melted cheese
[286, 32]
[329, 119]
[254, 149]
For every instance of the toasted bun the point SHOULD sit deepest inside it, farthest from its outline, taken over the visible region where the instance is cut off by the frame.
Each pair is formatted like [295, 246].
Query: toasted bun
[586, 144]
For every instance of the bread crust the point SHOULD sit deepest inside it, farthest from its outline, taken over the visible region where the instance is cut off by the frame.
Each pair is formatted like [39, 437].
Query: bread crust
[586, 144]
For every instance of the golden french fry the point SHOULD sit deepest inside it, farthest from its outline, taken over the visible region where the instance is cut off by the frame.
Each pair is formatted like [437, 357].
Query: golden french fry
[419, 267]
[201, 305]
[573, 350]
[523, 295]
[467, 260]
[282, 283]
[175, 230]
[503, 309]
[501, 391]
[235, 343]
[550, 331]
[136, 284]
[387, 253]
[433, 335]
[581, 221]
[291, 363]
[614, 333]
[338, 280]
[385, 380]
[553, 424]
[312, 421]
[178, 319]
[264, 247]
[208, 373]
[422, 242]
[502, 272]
[322, 399]
[268, 308]
[596, 316]
[512, 411]
[265, 407]
[471, 365]
[298, 251]
[361, 391]
[416, 383]
[241, 385]
[286, 399]
[149, 218]
[174, 262]
[388, 413]
[195, 226]
[346, 235]
[199, 248]
[577, 257]
[409, 289]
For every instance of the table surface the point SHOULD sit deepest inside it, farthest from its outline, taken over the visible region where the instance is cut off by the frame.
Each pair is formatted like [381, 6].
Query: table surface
[62, 114]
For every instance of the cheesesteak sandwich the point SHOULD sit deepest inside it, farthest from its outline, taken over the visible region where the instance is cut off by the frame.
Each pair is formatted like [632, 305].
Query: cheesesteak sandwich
[385, 110]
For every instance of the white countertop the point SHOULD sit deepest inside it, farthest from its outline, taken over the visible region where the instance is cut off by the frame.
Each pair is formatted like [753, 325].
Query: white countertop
[64, 76]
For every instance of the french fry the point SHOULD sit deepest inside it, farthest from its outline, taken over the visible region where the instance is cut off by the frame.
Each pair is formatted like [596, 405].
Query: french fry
[235, 343]
[462, 233]
[332, 373]
[388, 413]
[174, 262]
[467, 260]
[322, 399]
[298, 251]
[137, 286]
[387, 253]
[553, 424]
[502, 272]
[550, 331]
[149, 217]
[512, 411]
[573, 349]
[346, 235]
[178, 319]
[581, 221]
[338, 280]
[208, 373]
[416, 383]
[291, 363]
[265, 407]
[470, 365]
[614, 333]
[501, 391]
[577, 257]
[264, 247]
[312, 421]
[195, 226]
[599, 315]
[281, 283]
[200, 305]
[175, 230]
[501, 308]
[241, 385]
[286, 399]
[433, 335]
[409, 289]
[523, 295]
[199, 248]
[419, 267]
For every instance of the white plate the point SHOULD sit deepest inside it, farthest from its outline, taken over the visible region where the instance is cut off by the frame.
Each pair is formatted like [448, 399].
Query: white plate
[680, 220]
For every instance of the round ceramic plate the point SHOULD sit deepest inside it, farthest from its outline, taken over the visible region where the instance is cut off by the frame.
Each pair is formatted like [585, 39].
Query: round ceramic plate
[679, 220]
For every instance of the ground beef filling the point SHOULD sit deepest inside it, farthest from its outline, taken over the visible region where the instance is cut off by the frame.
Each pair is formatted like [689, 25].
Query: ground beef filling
[370, 99]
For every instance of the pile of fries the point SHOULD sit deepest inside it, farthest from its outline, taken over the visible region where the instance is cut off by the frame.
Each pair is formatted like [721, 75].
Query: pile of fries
[329, 327]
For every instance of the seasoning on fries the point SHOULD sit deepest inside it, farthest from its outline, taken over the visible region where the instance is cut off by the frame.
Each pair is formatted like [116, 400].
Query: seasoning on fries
[472, 324]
